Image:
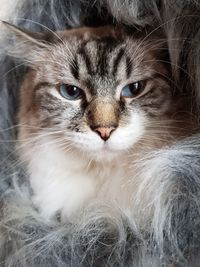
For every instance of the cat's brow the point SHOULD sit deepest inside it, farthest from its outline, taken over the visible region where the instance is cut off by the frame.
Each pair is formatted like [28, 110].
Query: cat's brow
[86, 58]
[117, 61]
[162, 77]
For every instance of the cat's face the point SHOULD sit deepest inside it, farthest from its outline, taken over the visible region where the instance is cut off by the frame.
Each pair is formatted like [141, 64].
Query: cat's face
[102, 93]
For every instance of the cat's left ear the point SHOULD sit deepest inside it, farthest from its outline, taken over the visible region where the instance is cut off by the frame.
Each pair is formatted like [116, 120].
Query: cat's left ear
[21, 43]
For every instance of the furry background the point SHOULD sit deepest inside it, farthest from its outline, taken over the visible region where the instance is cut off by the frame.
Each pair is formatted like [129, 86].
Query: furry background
[106, 237]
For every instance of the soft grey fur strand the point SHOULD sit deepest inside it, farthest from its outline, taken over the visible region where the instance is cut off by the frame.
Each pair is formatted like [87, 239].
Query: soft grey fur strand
[105, 237]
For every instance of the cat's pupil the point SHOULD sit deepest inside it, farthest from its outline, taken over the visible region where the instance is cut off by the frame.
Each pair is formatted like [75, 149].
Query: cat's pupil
[70, 92]
[132, 89]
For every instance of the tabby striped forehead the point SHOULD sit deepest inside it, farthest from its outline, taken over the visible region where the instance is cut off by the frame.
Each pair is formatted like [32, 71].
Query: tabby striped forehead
[103, 59]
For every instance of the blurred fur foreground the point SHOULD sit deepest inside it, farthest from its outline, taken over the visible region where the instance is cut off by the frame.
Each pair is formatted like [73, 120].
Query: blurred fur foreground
[105, 237]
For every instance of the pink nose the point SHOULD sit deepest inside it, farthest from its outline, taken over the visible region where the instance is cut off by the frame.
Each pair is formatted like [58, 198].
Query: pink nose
[104, 132]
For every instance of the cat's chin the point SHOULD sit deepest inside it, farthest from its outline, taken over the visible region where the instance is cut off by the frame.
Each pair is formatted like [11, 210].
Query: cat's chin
[104, 157]
[98, 150]
[105, 153]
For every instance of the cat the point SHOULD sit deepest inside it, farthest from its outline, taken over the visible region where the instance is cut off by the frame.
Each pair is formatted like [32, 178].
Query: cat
[94, 104]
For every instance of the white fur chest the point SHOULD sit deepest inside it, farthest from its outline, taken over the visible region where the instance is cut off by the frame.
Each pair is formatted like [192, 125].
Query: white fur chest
[67, 183]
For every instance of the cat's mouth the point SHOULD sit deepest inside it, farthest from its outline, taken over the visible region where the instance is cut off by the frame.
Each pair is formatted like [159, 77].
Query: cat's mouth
[92, 145]
[106, 148]
[105, 152]
[98, 150]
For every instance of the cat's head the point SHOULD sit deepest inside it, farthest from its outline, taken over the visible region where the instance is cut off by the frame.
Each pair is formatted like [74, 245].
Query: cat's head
[101, 90]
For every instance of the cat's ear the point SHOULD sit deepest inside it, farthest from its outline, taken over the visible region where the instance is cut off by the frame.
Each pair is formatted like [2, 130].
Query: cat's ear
[21, 43]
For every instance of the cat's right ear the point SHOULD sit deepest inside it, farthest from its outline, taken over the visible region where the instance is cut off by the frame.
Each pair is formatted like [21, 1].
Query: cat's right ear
[22, 44]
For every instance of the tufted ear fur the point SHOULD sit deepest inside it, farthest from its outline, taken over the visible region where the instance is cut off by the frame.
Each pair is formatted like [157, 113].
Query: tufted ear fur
[23, 44]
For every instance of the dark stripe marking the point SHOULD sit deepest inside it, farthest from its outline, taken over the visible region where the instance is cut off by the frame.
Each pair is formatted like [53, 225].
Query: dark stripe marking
[128, 67]
[117, 61]
[74, 67]
[82, 52]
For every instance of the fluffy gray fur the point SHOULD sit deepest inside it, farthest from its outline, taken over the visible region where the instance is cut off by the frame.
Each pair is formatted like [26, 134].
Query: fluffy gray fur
[171, 175]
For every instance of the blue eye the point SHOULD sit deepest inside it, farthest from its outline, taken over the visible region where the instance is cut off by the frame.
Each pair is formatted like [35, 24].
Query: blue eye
[133, 89]
[70, 92]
